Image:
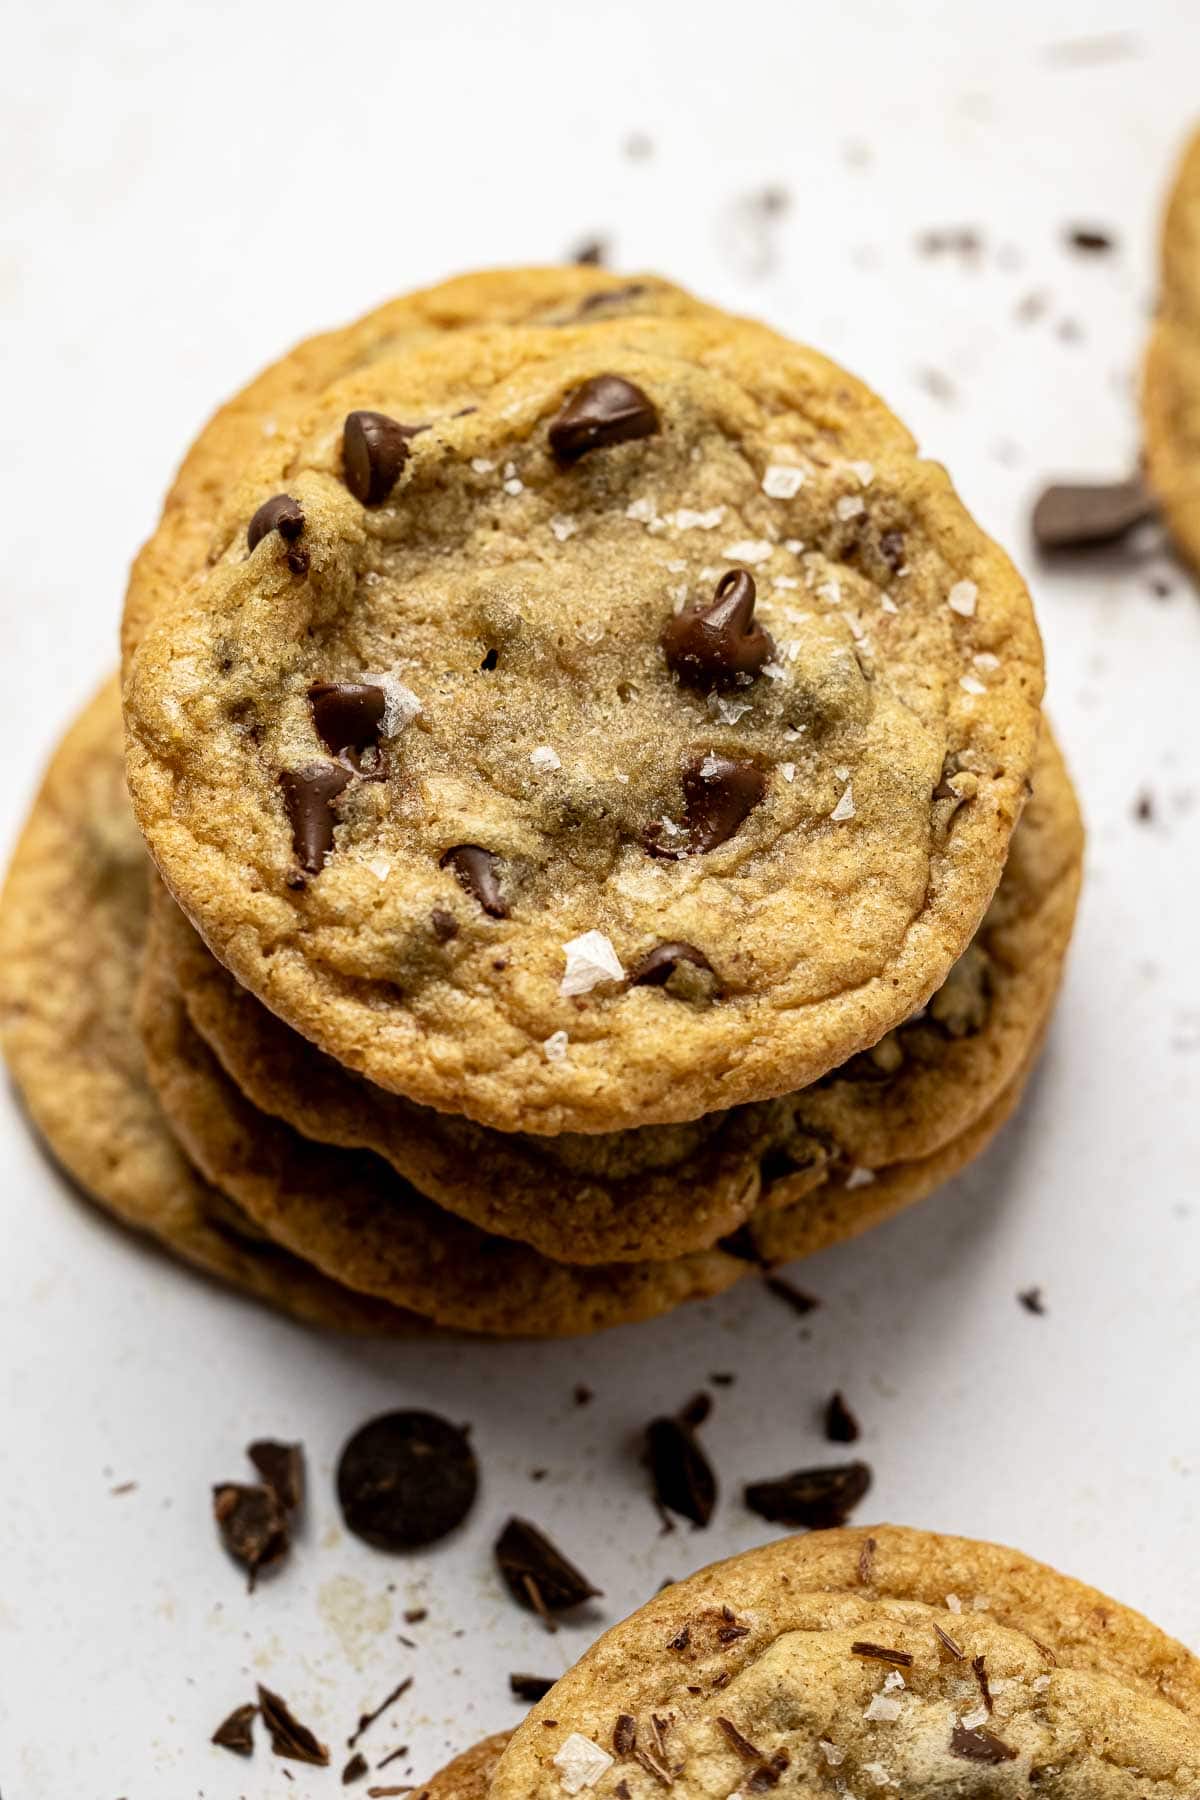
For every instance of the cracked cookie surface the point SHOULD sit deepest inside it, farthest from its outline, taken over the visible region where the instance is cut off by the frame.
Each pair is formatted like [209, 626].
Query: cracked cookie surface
[542, 794]
[863, 1662]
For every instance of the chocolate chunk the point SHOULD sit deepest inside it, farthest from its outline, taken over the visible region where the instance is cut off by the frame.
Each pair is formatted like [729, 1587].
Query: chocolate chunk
[530, 1687]
[681, 968]
[841, 1426]
[236, 1733]
[718, 794]
[368, 1718]
[308, 795]
[606, 410]
[289, 1738]
[374, 451]
[819, 1499]
[252, 1525]
[282, 1469]
[536, 1573]
[1086, 515]
[980, 1745]
[347, 714]
[720, 644]
[683, 1477]
[282, 514]
[406, 1478]
[791, 1295]
[355, 1769]
[476, 871]
[880, 1653]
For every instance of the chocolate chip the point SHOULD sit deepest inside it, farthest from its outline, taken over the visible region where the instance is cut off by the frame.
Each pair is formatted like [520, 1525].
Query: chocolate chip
[980, 1745]
[308, 794]
[684, 1481]
[718, 794]
[374, 451]
[605, 410]
[530, 1687]
[880, 1653]
[719, 644]
[236, 1733]
[282, 514]
[282, 1469]
[289, 1738]
[476, 871]
[819, 1499]
[768, 1774]
[538, 1575]
[347, 714]
[406, 1478]
[1086, 515]
[252, 1525]
[841, 1426]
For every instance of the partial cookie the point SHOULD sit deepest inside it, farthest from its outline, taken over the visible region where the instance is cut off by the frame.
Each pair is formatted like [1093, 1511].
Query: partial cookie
[443, 776]
[72, 919]
[469, 1776]
[1171, 377]
[863, 1662]
[665, 1190]
[262, 415]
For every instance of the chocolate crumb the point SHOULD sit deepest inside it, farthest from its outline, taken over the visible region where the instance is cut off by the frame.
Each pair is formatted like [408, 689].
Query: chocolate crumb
[355, 1769]
[1090, 239]
[591, 253]
[722, 1378]
[289, 1738]
[530, 1687]
[236, 1733]
[841, 1426]
[866, 1562]
[791, 1295]
[443, 924]
[696, 1411]
[1143, 812]
[1033, 1301]
[980, 1746]
[392, 1756]
[252, 1525]
[282, 1469]
[416, 1615]
[583, 1395]
[682, 1638]
[621, 1791]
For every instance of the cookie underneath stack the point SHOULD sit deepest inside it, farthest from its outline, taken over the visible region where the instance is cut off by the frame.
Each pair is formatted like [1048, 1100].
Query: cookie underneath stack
[585, 807]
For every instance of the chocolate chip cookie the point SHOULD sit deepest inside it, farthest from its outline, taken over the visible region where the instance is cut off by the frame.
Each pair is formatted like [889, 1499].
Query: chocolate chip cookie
[615, 725]
[72, 920]
[1171, 377]
[662, 1191]
[863, 1662]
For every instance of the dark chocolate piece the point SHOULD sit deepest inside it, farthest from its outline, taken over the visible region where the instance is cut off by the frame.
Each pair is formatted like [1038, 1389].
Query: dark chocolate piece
[841, 1426]
[347, 714]
[236, 1733]
[538, 1575]
[718, 794]
[289, 1738]
[980, 1745]
[1086, 515]
[530, 1687]
[282, 1469]
[880, 1653]
[355, 1769]
[819, 1499]
[252, 1525]
[722, 643]
[308, 795]
[476, 871]
[605, 410]
[684, 1481]
[374, 451]
[406, 1478]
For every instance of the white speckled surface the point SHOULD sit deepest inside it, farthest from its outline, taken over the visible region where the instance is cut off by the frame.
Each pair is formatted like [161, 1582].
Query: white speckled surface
[189, 190]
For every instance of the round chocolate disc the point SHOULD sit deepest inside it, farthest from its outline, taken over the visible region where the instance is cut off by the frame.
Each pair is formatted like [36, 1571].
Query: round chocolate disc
[406, 1478]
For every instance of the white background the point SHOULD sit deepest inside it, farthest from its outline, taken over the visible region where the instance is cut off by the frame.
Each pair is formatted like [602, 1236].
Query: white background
[188, 190]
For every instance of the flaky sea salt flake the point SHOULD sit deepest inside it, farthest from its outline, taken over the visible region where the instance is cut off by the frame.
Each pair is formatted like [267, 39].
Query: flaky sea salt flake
[686, 519]
[750, 550]
[845, 807]
[788, 771]
[888, 604]
[580, 1763]
[544, 759]
[884, 1707]
[481, 465]
[563, 526]
[849, 506]
[781, 482]
[833, 1753]
[971, 684]
[865, 472]
[962, 599]
[858, 1178]
[591, 960]
[555, 1046]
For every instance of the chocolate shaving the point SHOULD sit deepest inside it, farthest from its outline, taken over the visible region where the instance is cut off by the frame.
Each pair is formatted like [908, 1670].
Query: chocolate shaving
[841, 1426]
[252, 1526]
[866, 1562]
[880, 1653]
[744, 1748]
[980, 1745]
[537, 1574]
[367, 1719]
[682, 1639]
[684, 1480]
[787, 1291]
[956, 1650]
[236, 1733]
[282, 1469]
[653, 1767]
[624, 1737]
[289, 1738]
[530, 1687]
[819, 1499]
[979, 1669]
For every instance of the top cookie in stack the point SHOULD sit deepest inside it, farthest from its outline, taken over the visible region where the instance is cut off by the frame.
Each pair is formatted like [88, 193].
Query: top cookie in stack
[585, 725]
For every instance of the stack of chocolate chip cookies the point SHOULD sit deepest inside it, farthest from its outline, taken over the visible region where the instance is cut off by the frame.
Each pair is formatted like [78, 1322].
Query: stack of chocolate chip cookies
[593, 830]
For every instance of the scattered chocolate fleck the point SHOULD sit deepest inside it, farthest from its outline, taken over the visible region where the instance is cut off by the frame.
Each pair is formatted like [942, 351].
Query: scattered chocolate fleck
[659, 965]
[392, 1756]
[841, 1426]
[621, 1791]
[124, 1487]
[960, 240]
[536, 1573]
[820, 1499]
[282, 514]
[476, 872]
[308, 795]
[1087, 515]
[367, 1719]
[938, 385]
[891, 548]
[374, 451]
[653, 1767]
[355, 1769]
[790, 1294]
[718, 794]
[443, 924]
[416, 1615]
[624, 1737]
[530, 1687]
[298, 560]
[682, 1638]
[866, 1561]
[405, 1479]
[729, 1634]
[956, 1650]
[1033, 1301]
[880, 1653]
[1090, 239]
[1143, 808]
[289, 1738]
[583, 1395]
[387, 1793]
[282, 1468]
[605, 410]
[252, 1525]
[744, 1748]
[979, 1669]
[980, 1745]
[722, 1378]
[236, 1733]
[696, 1411]
[592, 253]
[719, 643]
[347, 714]
[768, 1774]
[684, 1481]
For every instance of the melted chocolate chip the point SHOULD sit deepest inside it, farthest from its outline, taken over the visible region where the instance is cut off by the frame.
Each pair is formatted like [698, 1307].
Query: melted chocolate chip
[374, 451]
[1087, 515]
[347, 714]
[682, 969]
[236, 1733]
[819, 1499]
[684, 1481]
[282, 1469]
[282, 514]
[476, 871]
[841, 1426]
[606, 410]
[406, 1478]
[252, 1525]
[289, 1738]
[308, 794]
[980, 1745]
[536, 1574]
[718, 794]
[719, 644]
